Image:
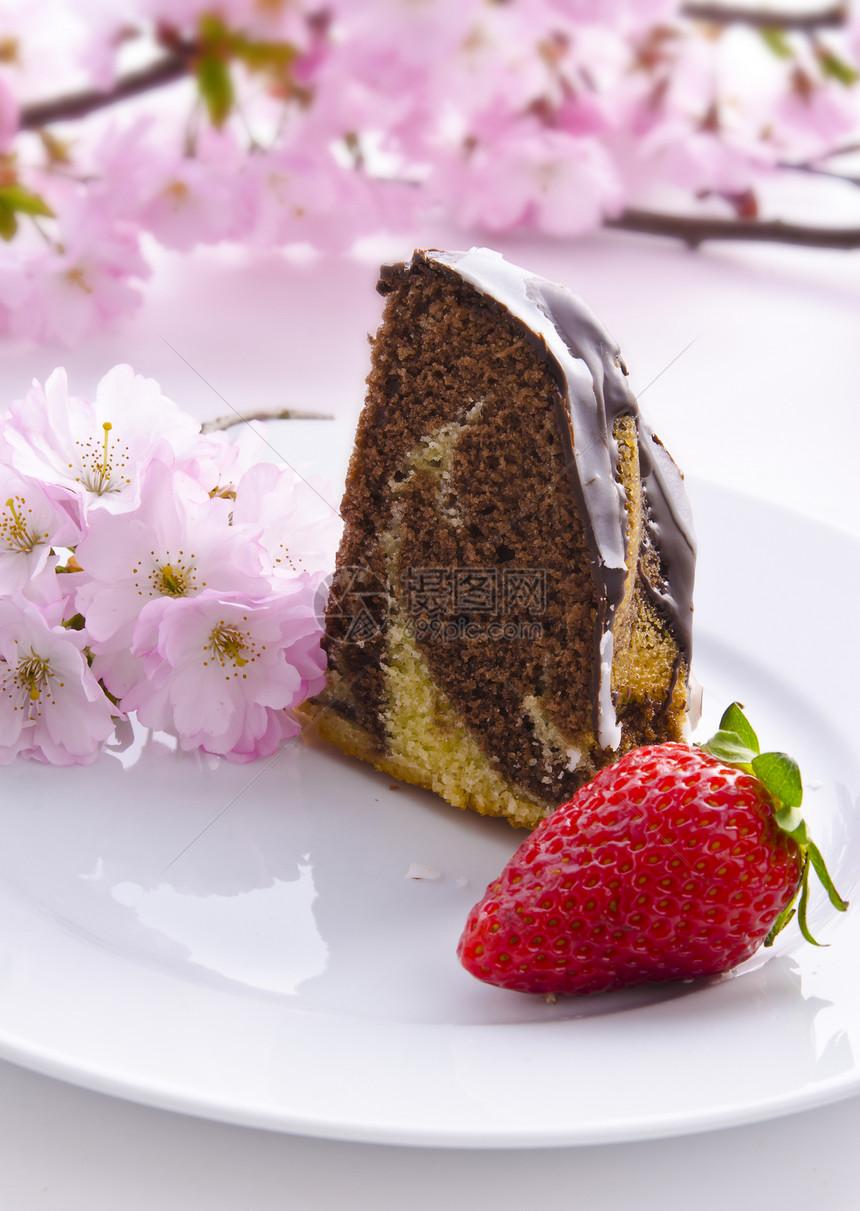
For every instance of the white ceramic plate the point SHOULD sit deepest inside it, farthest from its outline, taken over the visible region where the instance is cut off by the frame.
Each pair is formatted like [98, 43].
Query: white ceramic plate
[243, 943]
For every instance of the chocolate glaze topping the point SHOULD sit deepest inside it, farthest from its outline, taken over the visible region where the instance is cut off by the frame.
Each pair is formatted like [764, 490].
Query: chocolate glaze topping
[586, 363]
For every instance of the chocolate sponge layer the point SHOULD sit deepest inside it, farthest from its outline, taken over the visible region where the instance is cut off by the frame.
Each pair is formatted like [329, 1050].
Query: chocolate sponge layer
[468, 537]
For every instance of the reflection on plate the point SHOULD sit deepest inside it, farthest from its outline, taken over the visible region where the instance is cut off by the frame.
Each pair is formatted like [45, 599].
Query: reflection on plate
[244, 943]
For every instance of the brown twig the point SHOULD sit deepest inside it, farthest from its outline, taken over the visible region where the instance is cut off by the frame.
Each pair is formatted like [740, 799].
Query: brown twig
[833, 17]
[165, 70]
[694, 231]
[264, 414]
[830, 174]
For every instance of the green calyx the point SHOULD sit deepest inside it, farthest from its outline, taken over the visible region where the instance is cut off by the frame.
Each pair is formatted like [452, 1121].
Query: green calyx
[736, 744]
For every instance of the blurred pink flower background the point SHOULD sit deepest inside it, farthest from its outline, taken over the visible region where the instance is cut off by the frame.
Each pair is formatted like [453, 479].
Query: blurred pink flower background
[270, 123]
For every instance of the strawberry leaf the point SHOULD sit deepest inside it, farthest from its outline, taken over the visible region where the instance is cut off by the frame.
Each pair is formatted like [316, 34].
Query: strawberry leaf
[781, 777]
[790, 821]
[812, 858]
[734, 720]
[730, 748]
[780, 923]
[803, 902]
[824, 876]
[736, 744]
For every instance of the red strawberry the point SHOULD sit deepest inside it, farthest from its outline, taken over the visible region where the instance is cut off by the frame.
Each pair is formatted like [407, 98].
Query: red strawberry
[675, 862]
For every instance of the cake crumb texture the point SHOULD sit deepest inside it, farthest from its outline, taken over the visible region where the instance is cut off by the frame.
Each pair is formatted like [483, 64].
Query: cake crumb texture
[469, 609]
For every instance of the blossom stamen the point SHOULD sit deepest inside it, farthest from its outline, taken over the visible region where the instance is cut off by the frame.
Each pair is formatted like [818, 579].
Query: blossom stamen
[227, 644]
[172, 580]
[34, 676]
[105, 465]
[283, 554]
[177, 194]
[104, 473]
[76, 277]
[14, 528]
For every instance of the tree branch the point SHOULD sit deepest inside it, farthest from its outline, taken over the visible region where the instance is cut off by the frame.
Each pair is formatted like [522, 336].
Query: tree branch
[695, 231]
[264, 414]
[170, 67]
[833, 17]
[815, 170]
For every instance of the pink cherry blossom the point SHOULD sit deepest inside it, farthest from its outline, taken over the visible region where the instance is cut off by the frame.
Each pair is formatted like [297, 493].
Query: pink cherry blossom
[534, 177]
[301, 194]
[32, 525]
[379, 71]
[51, 706]
[53, 42]
[84, 277]
[294, 519]
[808, 120]
[701, 159]
[98, 452]
[86, 281]
[175, 544]
[193, 200]
[221, 670]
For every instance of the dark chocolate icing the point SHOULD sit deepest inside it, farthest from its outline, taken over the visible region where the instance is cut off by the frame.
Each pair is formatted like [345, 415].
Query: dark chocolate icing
[592, 378]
